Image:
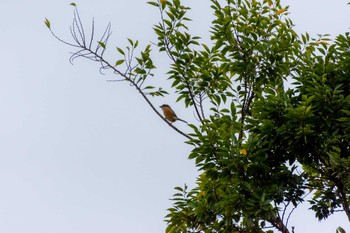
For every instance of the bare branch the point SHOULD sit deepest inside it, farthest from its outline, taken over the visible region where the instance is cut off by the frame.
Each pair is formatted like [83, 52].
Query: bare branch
[92, 33]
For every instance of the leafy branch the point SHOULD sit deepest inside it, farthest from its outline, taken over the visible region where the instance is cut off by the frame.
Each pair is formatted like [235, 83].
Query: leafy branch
[135, 73]
[176, 42]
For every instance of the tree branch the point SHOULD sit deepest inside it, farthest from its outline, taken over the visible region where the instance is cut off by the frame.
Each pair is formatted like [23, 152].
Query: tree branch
[279, 225]
[85, 50]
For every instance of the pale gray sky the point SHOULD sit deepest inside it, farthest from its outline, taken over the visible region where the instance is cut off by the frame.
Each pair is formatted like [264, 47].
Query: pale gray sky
[82, 155]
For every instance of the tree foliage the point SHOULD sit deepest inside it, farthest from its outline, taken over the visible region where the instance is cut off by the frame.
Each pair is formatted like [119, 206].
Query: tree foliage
[273, 110]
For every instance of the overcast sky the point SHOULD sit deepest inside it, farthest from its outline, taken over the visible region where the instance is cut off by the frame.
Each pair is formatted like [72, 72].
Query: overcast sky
[82, 155]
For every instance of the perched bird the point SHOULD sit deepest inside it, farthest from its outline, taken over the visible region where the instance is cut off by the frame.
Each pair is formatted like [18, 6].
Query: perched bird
[169, 114]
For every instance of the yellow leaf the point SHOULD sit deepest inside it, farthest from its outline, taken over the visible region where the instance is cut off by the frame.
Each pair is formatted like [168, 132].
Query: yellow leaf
[256, 58]
[162, 1]
[243, 151]
[281, 11]
[322, 42]
[231, 74]
[269, 2]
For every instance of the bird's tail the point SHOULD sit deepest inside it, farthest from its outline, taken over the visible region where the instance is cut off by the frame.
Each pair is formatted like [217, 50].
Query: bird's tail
[182, 120]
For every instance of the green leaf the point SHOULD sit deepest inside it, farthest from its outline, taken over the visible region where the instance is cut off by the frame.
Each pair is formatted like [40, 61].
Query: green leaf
[340, 230]
[101, 44]
[73, 4]
[120, 51]
[140, 71]
[130, 41]
[307, 110]
[176, 3]
[179, 189]
[153, 3]
[47, 23]
[119, 62]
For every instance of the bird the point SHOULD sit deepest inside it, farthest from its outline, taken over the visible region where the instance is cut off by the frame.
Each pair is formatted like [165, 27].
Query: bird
[169, 114]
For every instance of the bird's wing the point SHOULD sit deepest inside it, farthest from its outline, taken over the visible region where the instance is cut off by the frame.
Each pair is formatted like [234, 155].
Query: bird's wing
[172, 111]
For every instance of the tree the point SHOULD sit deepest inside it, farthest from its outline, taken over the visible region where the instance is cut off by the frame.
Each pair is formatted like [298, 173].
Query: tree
[272, 108]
